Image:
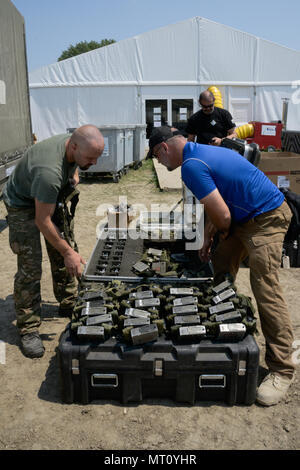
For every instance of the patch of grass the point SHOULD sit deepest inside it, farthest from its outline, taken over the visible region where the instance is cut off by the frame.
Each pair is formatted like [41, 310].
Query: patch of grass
[144, 174]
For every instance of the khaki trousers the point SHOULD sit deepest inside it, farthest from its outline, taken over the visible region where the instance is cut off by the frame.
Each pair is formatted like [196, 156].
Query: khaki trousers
[261, 239]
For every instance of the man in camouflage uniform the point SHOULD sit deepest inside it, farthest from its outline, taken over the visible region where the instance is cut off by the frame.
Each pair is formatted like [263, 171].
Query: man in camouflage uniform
[36, 197]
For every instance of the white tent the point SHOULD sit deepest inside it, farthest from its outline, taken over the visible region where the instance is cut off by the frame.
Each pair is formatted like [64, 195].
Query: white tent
[159, 75]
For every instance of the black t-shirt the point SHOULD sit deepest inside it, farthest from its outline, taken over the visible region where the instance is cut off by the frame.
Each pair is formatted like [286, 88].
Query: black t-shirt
[207, 126]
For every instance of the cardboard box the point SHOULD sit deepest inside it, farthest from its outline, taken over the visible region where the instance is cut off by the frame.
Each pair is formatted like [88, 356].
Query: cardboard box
[119, 219]
[283, 169]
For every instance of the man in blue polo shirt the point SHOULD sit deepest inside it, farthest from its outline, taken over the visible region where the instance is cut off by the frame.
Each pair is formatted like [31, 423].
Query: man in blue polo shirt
[251, 216]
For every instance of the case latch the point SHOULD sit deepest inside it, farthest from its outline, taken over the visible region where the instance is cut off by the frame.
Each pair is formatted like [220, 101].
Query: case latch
[242, 368]
[158, 367]
[75, 367]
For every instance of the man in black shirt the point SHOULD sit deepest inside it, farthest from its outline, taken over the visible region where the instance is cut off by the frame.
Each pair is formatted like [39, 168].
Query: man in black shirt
[210, 124]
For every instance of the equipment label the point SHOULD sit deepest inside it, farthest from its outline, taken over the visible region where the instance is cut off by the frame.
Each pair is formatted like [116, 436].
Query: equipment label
[106, 148]
[268, 130]
[283, 182]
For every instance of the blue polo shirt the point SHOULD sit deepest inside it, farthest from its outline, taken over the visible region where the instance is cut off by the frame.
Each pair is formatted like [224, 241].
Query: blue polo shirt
[245, 189]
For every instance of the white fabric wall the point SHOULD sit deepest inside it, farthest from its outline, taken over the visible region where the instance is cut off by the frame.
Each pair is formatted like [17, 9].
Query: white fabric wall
[170, 53]
[108, 85]
[241, 104]
[277, 63]
[54, 110]
[269, 105]
[226, 55]
[190, 51]
[97, 105]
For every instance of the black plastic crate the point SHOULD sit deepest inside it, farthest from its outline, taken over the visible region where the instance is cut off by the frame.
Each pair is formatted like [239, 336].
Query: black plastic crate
[114, 257]
[210, 370]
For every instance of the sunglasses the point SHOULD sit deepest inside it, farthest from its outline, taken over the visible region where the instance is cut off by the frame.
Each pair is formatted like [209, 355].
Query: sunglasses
[155, 154]
[207, 106]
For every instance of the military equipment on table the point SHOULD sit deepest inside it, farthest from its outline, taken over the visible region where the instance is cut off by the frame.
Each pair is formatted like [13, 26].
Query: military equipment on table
[92, 295]
[136, 322]
[232, 331]
[181, 291]
[224, 296]
[221, 308]
[154, 252]
[99, 319]
[133, 306]
[90, 332]
[94, 303]
[147, 294]
[220, 287]
[144, 334]
[140, 267]
[187, 320]
[190, 332]
[145, 350]
[137, 313]
[147, 302]
[185, 309]
[93, 311]
[159, 267]
[230, 317]
[185, 301]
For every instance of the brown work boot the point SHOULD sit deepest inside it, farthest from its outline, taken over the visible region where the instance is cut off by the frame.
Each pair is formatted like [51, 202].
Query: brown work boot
[32, 345]
[273, 389]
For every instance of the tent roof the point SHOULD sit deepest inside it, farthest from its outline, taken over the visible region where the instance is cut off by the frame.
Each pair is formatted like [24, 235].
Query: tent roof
[191, 52]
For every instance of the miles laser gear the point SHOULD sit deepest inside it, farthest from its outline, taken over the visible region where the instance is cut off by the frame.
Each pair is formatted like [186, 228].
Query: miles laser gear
[249, 151]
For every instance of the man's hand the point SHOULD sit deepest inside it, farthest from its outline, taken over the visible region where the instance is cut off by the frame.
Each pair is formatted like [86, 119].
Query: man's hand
[215, 141]
[73, 262]
[205, 251]
[75, 180]
[225, 234]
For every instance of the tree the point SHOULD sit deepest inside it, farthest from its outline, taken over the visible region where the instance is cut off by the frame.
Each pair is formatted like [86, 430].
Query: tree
[82, 47]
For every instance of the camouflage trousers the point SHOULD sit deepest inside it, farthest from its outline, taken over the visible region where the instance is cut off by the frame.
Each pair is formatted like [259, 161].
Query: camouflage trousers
[25, 242]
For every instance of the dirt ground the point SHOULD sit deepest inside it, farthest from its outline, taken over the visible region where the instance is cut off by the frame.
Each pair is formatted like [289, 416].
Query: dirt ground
[32, 414]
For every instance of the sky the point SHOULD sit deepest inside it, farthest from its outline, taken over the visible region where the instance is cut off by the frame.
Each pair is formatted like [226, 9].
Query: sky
[52, 26]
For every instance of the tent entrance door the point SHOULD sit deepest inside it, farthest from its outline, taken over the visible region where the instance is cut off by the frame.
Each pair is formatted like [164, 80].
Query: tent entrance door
[156, 114]
[182, 110]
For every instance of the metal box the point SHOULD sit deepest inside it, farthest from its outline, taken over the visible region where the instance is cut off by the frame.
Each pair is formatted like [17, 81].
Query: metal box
[118, 151]
[139, 143]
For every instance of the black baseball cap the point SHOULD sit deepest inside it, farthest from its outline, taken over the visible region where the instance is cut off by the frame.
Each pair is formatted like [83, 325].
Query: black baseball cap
[159, 135]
